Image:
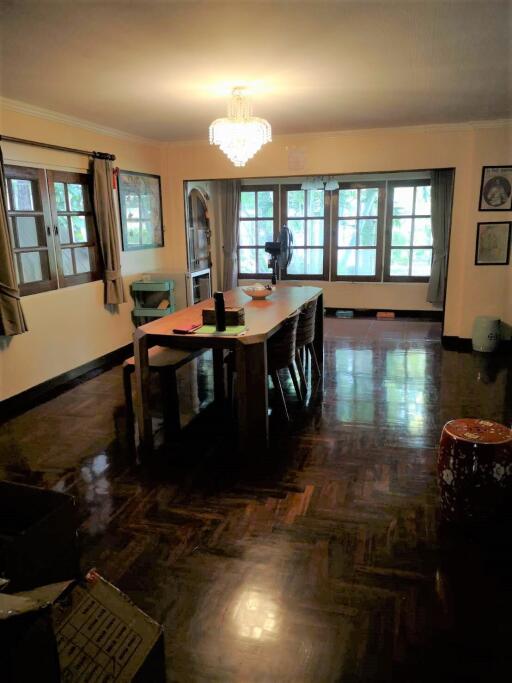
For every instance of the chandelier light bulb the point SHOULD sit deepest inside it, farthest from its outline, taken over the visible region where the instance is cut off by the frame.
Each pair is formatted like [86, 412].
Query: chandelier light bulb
[240, 135]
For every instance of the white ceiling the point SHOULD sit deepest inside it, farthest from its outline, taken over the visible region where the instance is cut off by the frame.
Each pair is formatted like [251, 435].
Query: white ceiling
[162, 69]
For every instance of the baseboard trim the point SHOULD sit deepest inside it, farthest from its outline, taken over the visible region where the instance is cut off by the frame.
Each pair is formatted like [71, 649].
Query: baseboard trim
[465, 345]
[15, 405]
[435, 316]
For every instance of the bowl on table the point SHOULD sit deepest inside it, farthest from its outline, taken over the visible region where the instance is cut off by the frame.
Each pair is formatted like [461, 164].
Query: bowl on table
[256, 292]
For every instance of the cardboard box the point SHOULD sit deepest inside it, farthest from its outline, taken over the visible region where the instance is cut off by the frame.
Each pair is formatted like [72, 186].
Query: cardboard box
[97, 632]
[38, 536]
[234, 316]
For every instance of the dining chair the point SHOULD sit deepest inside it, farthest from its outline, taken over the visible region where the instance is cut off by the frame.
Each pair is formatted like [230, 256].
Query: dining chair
[165, 362]
[304, 340]
[280, 356]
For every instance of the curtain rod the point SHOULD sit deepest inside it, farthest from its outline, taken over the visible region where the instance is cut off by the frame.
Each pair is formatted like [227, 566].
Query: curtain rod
[33, 143]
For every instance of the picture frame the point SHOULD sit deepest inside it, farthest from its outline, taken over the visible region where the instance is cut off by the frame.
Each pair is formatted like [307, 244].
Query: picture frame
[493, 243]
[496, 188]
[140, 210]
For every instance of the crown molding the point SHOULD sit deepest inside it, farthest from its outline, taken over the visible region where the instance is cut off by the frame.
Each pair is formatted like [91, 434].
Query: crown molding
[32, 110]
[462, 126]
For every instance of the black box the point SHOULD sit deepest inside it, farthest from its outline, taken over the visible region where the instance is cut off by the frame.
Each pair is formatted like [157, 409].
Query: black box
[38, 536]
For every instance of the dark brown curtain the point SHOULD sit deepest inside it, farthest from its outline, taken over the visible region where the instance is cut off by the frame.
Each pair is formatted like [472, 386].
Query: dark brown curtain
[229, 203]
[442, 193]
[12, 320]
[107, 229]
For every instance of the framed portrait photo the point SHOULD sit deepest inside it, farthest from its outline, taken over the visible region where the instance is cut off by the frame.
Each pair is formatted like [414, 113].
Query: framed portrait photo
[140, 210]
[492, 244]
[496, 188]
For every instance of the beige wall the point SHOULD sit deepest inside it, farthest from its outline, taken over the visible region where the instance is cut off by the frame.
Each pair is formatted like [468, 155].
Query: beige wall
[471, 291]
[70, 326]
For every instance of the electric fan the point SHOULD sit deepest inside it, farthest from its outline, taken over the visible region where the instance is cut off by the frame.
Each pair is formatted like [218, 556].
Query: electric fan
[281, 252]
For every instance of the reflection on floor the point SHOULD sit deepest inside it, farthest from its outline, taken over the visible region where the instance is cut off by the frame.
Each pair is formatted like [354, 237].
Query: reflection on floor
[323, 560]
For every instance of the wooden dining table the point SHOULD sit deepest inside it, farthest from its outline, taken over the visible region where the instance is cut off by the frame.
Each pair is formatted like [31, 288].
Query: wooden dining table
[262, 319]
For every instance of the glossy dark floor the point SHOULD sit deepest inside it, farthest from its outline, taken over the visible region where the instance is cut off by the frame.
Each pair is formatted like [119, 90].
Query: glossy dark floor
[323, 560]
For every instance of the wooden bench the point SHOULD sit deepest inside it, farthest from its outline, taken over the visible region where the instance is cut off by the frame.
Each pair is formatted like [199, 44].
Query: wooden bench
[165, 362]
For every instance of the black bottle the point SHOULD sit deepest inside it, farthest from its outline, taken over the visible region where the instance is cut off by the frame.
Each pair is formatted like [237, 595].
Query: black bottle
[220, 311]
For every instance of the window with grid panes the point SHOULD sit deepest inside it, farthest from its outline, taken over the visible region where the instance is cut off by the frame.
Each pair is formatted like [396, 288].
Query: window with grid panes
[257, 225]
[409, 231]
[357, 240]
[306, 212]
[53, 230]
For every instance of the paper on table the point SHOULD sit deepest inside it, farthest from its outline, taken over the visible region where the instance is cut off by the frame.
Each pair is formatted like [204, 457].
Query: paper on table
[230, 331]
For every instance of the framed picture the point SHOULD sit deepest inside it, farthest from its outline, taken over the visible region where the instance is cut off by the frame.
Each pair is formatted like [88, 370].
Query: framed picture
[140, 209]
[496, 188]
[492, 244]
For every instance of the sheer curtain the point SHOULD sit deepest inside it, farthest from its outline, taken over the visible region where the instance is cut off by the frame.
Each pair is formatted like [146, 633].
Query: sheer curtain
[441, 194]
[107, 230]
[12, 320]
[228, 205]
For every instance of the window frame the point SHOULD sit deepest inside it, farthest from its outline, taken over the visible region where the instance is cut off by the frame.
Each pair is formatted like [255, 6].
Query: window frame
[275, 220]
[49, 215]
[381, 206]
[285, 188]
[391, 185]
[13, 172]
[94, 274]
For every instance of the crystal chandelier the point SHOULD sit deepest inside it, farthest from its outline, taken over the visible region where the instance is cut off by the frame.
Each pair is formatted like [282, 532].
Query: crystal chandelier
[240, 135]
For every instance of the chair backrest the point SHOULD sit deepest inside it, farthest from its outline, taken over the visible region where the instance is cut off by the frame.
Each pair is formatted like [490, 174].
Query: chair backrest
[306, 325]
[281, 346]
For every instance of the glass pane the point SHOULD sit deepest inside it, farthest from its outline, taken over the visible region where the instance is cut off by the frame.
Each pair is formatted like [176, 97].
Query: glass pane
[402, 201]
[314, 261]
[22, 194]
[297, 265]
[133, 232]
[347, 261]
[369, 201]
[265, 204]
[422, 200]
[146, 232]
[422, 232]
[348, 203]
[76, 197]
[60, 196]
[315, 203]
[247, 233]
[31, 266]
[79, 228]
[366, 262]
[67, 261]
[26, 228]
[347, 234]
[265, 232]
[248, 261]
[400, 262]
[421, 262]
[368, 232]
[297, 228]
[263, 262]
[316, 233]
[131, 201]
[296, 203]
[145, 205]
[401, 232]
[63, 225]
[248, 205]
[83, 264]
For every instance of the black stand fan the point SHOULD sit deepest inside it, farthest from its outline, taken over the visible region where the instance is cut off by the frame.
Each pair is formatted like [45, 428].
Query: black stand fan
[281, 253]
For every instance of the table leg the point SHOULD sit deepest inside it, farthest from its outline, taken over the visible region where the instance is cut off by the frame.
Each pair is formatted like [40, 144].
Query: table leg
[218, 377]
[140, 343]
[252, 396]
[318, 342]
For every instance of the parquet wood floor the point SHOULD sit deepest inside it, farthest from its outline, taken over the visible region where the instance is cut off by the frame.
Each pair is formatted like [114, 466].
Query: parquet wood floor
[324, 560]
